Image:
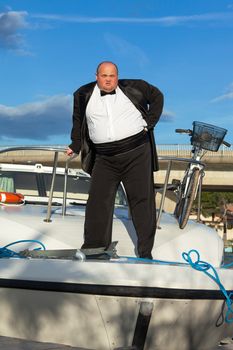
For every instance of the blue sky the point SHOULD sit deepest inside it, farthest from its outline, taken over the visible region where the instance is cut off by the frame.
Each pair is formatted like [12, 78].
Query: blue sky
[49, 48]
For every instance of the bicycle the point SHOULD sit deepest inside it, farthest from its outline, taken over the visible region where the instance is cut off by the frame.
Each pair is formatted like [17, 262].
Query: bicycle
[204, 137]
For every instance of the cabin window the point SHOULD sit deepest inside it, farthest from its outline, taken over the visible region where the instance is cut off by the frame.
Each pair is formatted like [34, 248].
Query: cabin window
[38, 184]
[77, 188]
[20, 182]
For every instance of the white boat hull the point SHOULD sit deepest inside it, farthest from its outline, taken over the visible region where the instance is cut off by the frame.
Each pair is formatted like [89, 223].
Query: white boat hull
[104, 322]
[95, 305]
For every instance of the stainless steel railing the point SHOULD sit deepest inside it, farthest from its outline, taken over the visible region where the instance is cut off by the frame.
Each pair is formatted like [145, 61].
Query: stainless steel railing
[56, 151]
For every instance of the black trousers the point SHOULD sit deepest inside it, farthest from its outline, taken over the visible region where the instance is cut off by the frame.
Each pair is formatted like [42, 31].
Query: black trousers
[134, 169]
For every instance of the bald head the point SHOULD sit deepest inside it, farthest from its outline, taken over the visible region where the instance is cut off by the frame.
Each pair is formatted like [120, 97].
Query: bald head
[107, 76]
[106, 62]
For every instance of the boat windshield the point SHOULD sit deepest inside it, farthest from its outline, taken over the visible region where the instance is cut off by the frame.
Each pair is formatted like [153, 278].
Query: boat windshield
[32, 183]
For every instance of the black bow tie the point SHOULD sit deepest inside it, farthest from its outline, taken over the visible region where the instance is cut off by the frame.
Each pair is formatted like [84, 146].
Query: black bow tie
[103, 93]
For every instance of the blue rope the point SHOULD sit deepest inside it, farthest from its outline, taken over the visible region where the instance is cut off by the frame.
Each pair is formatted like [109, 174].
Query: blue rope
[193, 259]
[8, 253]
[227, 265]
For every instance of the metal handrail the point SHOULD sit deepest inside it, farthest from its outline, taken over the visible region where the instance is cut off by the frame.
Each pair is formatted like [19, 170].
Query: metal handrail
[165, 186]
[55, 149]
[33, 148]
[49, 210]
[185, 160]
[65, 183]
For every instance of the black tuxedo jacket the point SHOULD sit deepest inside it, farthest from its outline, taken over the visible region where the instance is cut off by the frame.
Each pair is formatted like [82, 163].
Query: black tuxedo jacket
[146, 98]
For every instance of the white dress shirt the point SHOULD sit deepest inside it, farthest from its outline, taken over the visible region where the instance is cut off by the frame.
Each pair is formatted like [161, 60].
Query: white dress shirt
[112, 117]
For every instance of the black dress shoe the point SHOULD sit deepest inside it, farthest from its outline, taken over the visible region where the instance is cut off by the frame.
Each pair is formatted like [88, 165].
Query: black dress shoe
[149, 256]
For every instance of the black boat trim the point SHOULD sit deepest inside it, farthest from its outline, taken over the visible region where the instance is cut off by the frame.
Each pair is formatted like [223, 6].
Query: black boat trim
[113, 290]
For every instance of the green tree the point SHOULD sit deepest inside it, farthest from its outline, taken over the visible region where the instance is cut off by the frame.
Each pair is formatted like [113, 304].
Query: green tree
[212, 202]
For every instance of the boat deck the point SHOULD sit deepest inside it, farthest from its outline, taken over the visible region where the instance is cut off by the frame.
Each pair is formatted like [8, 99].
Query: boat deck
[7, 343]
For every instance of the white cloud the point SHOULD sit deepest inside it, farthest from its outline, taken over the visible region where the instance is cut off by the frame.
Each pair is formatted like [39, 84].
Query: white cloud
[168, 20]
[227, 96]
[11, 22]
[37, 120]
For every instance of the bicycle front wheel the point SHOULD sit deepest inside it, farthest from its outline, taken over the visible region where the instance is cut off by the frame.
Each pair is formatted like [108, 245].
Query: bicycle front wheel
[186, 202]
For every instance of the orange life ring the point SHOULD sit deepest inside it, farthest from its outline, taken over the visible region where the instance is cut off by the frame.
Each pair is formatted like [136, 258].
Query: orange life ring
[11, 198]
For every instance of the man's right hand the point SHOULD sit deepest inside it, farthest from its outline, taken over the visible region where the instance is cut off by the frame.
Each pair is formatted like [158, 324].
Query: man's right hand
[69, 151]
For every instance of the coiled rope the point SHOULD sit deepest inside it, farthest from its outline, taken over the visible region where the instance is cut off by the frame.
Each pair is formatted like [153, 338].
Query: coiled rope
[193, 259]
[8, 253]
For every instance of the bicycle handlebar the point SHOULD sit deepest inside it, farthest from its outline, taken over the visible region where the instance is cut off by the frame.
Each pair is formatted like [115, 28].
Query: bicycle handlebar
[225, 143]
[184, 131]
[190, 132]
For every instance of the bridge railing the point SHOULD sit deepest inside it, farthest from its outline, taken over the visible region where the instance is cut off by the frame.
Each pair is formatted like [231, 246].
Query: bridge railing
[170, 150]
[184, 150]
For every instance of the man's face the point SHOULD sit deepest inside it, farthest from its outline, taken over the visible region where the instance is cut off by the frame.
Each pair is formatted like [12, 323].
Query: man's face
[107, 77]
